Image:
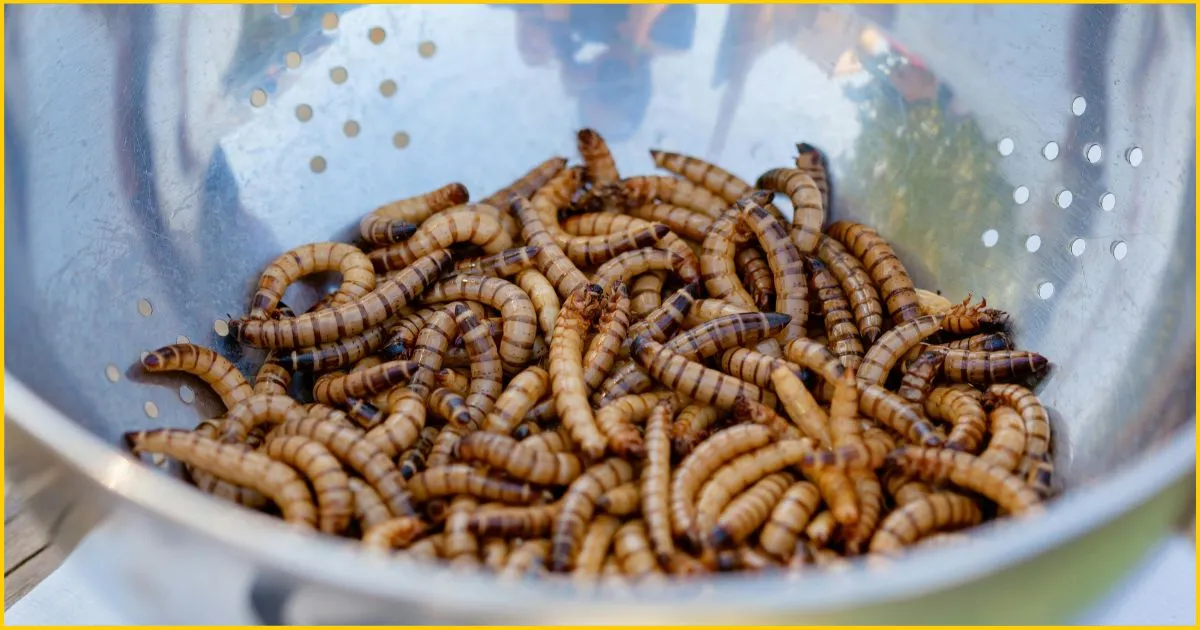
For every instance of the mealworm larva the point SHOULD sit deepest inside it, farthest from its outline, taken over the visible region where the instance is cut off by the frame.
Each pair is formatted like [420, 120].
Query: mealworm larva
[329, 481]
[451, 406]
[520, 320]
[638, 191]
[616, 420]
[460, 543]
[578, 506]
[664, 320]
[347, 319]
[710, 455]
[908, 523]
[258, 410]
[527, 557]
[969, 472]
[599, 168]
[801, 407]
[594, 229]
[440, 232]
[523, 391]
[757, 413]
[904, 488]
[963, 412]
[787, 267]
[463, 479]
[509, 262]
[683, 222]
[983, 368]
[332, 356]
[404, 424]
[885, 268]
[366, 415]
[610, 334]
[837, 490]
[420, 207]
[816, 357]
[893, 344]
[551, 260]
[365, 363]
[220, 374]
[856, 284]
[896, 413]
[528, 464]
[272, 378]
[358, 278]
[505, 521]
[844, 428]
[1006, 446]
[429, 350]
[691, 379]
[748, 511]
[712, 177]
[1035, 418]
[718, 265]
[983, 341]
[632, 549]
[756, 275]
[495, 553]
[967, 319]
[216, 486]
[839, 319]
[412, 461]
[336, 389]
[543, 296]
[691, 427]
[919, 375]
[394, 533]
[620, 501]
[624, 267]
[566, 369]
[645, 294]
[236, 464]
[808, 207]
[821, 528]
[739, 474]
[529, 183]
[377, 230]
[369, 509]
[753, 366]
[655, 482]
[487, 374]
[594, 548]
[878, 442]
[870, 506]
[813, 161]
[788, 518]
[453, 380]
[932, 303]
[556, 441]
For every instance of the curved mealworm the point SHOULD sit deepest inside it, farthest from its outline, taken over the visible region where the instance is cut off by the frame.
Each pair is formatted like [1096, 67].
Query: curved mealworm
[616, 421]
[839, 320]
[523, 391]
[453, 380]
[691, 379]
[800, 405]
[896, 413]
[813, 161]
[756, 275]
[885, 268]
[394, 533]
[460, 544]
[904, 488]
[377, 230]
[718, 266]
[893, 344]
[487, 374]
[691, 427]
[534, 521]
[543, 296]
[856, 284]
[878, 442]
[870, 506]
[348, 445]
[607, 234]
[525, 558]
[335, 389]
[440, 232]
[599, 168]
[918, 377]
[420, 207]
[450, 406]
[741, 472]
[256, 410]
[655, 483]
[578, 507]
[757, 413]
[632, 549]
[966, 319]
[529, 183]
[645, 294]
[610, 333]
[808, 207]
[624, 267]
[963, 412]
[752, 366]
[908, 523]
[715, 179]
[788, 518]
[369, 509]
[787, 267]
[968, 472]
[220, 374]
[566, 369]
[272, 378]
[429, 350]
[509, 262]
[332, 356]
[704, 310]
[932, 303]
[982, 368]
[347, 319]
[358, 278]
[595, 546]
[1034, 416]
[216, 486]
[329, 481]
[665, 319]
[521, 462]
[520, 320]
[463, 479]
[236, 464]
[983, 341]
[1006, 447]
[623, 500]
[748, 511]
[710, 455]
[821, 528]
[551, 260]
[812, 355]
[681, 221]
[364, 414]
[412, 461]
[844, 428]
[638, 191]
[556, 441]
[836, 488]
[403, 425]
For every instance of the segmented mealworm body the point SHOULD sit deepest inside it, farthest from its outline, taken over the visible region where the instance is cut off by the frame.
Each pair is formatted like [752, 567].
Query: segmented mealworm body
[463, 479]
[440, 232]
[596, 543]
[272, 378]
[718, 265]
[788, 518]
[624, 267]
[578, 507]
[598, 165]
[236, 464]
[526, 558]
[801, 407]
[896, 413]
[523, 391]
[656, 481]
[394, 533]
[753, 366]
[347, 319]
[710, 455]
[919, 375]
[376, 230]
[683, 222]
[967, 319]
[937, 511]
[870, 506]
[963, 412]
[638, 191]
[451, 406]
[364, 414]
[691, 379]
[904, 488]
[895, 343]
[645, 294]
[620, 501]
[220, 374]
[808, 207]
[412, 461]
[520, 320]
[403, 425]
[632, 549]
[358, 278]
[420, 207]
[332, 486]
[487, 374]
[257, 410]
[528, 464]
[460, 543]
[332, 356]
[529, 183]
[1006, 446]
[739, 474]
[983, 368]
[816, 357]
[757, 413]
[509, 262]
[839, 319]
[691, 427]
[756, 275]
[557, 440]
[969, 472]
[610, 333]
[616, 421]
[369, 509]
[665, 319]
[787, 267]
[453, 380]
[336, 389]
[748, 511]
[885, 268]
[813, 161]
[566, 369]
[844, 428]
[534, 521]
[599, 229]
[1036, 420]
[983, 341]
[821, 528]
[856, 284]
[551, 260]
[429, 350]
[543, 296]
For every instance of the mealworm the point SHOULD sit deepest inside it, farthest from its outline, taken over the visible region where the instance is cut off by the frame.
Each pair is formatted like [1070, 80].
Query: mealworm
[412, 461]
[637, 191]
[595, 229]
[566, 369]
[366, 415]
[632, 549]
[756, 275]
[893, 344]
[403, 425]
[983, 368]
[856, 284]
[870, 506]
[542, 296]
[463, 479]
[968, 472]
[256, 410]
[369, 509]
[812, 161]
[885, 268]
[216, 486]
[592, 551]
[520, 320]
[808, 207]
[715, 179]
[788, 518]
[878, 442]
[527, 555]
[844, 428]
[748, 511]
[272, 378]
[599, 168]
[420, 207]
[235, 464]
[528, 464]
[664, 320]
[787, 267]
[358, 278]
[335, 389]
[616, 421]
[691, 379]
[347, 319]
[752, 366]
[365, 363]
[523, 391]
[429, 350]
[645, 294]
[966, 319]
[215, 370]
[801, 407]
[897, 414]
[983, 341]
[691, 427]
[836, 488]
[821, 528]
[963, 412]
[555, 441]
[460, 544]
[1034, 416]
[816, 357]
[329, 481]
[918, 377]
[376, 230]
[739, 474]
[578, 506]
[451, 406]
[718, 266]
[394, 533]
[908, 523]
[509, 262]
[839, 320]
[757, 413]
[332, 356]
[710, 455]
[349, 446]
[610, 333]
[529, 183]
[1006, 447]
[453, 380]
[620, 501]
[533, 521]
[681, 221]
[487, 374]
[655, 482]
[440, 232]
[624, 267]
[551, 260]
[495, 553]
[904, 488]
[932, 303]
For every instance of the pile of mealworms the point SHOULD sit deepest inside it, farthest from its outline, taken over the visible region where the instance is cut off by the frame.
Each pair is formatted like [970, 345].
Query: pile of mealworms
[620, 378]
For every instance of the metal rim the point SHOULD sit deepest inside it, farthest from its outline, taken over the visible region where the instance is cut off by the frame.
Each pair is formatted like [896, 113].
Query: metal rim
[343, 565]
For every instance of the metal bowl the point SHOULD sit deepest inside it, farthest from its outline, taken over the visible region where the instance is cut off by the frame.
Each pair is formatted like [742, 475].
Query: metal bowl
[159, 156]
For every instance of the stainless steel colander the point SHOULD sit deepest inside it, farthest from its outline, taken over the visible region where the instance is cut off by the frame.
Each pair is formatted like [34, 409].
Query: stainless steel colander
[157, 157]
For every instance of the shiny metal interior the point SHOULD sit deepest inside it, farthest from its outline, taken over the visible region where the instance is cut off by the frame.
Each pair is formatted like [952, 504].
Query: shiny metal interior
[167, 153]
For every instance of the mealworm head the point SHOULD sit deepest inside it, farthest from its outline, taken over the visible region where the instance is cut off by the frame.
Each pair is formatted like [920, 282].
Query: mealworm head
[660, 230]
[402, 230]
[151, 361]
